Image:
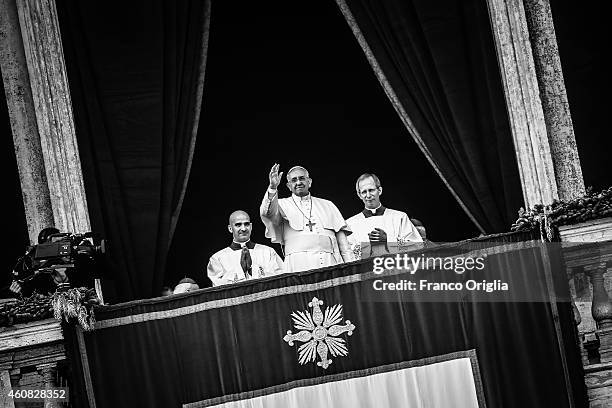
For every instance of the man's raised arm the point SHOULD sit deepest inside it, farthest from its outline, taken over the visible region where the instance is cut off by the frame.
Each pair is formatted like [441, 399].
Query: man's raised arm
[269, 206]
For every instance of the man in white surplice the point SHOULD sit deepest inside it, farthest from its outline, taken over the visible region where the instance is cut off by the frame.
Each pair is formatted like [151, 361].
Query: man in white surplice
[378, 230]
[242, 259]
[312, 229]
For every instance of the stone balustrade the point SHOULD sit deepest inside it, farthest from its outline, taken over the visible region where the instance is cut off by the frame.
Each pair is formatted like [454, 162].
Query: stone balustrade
[589, 264]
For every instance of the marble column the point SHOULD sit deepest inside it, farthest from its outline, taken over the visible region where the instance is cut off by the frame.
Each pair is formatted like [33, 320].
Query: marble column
[536, 100]
[525, 112]
[49, 373]
[551, 84]
[5, 388]
[22, 115]
[51, 95]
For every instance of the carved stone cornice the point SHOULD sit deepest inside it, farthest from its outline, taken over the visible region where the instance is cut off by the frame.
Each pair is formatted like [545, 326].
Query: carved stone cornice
[590, 231]
[32, 334]
[37, 344]
[587, 245]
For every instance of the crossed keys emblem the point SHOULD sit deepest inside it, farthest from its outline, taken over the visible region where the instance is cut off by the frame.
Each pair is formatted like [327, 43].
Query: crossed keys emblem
[318, 332]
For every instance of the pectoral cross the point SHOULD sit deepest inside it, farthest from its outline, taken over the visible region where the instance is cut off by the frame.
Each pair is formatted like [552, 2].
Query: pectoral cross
[310, 224]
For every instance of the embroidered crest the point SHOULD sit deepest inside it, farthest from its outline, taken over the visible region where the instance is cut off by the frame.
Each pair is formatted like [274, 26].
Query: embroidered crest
[318, 332]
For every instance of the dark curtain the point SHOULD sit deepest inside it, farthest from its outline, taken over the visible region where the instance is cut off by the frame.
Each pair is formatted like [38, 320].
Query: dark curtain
[136, 71]
[228, 340]
[436, 60]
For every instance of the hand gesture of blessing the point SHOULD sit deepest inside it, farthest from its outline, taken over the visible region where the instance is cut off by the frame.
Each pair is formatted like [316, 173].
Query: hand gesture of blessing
[275, 177]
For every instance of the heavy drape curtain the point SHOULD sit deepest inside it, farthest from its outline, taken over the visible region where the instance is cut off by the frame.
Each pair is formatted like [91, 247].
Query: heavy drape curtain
[226, 343]
[136, 72]
[436, 61]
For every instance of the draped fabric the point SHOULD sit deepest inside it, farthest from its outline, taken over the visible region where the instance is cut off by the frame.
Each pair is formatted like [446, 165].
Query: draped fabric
[241, 344]
[136, 72]
[441, 384]
[436, 61]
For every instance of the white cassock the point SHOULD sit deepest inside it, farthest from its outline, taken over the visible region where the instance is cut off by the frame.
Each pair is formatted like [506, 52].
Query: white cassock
[307, 226]
[401, 232]
[224, 266]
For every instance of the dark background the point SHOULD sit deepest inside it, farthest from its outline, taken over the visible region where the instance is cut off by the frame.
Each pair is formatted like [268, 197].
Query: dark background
[287, 82]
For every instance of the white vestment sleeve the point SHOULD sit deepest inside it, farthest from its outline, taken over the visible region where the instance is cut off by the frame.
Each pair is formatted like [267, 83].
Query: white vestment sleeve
[272, 218]
[408, 231]
[214, 271]
[275, 263]
[344, 247]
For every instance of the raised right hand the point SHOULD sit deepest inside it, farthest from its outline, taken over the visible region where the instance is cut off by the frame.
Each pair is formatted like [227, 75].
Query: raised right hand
[275, 177]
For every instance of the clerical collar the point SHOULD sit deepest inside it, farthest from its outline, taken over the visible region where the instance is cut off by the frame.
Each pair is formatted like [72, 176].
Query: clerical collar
[304, 198]
[236, 246]
[371, 213]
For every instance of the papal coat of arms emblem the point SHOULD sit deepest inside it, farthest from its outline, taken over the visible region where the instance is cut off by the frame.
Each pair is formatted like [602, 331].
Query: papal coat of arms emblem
[318, 332]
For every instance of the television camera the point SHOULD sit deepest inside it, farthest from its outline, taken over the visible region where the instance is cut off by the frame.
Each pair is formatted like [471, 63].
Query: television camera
[60, 252]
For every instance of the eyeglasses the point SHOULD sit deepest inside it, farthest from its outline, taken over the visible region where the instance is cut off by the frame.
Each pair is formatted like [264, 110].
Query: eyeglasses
[296, 179]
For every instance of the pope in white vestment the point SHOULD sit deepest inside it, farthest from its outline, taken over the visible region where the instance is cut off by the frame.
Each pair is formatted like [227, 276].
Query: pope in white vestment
[243, 259]
[379, 227]
[311, 228]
